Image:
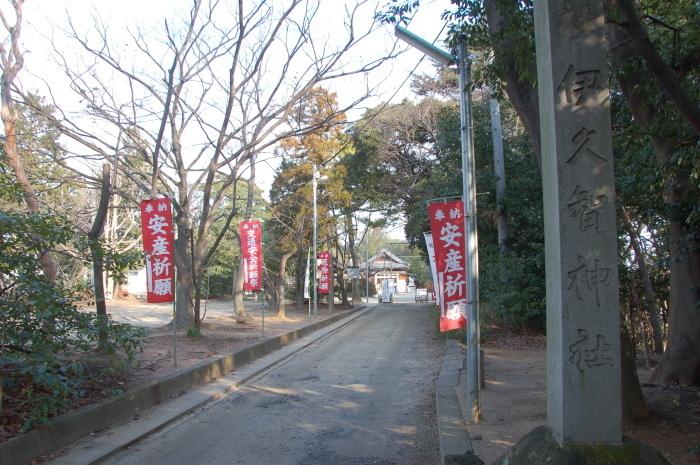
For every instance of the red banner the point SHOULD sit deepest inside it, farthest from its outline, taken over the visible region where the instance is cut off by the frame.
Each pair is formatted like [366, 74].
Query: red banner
[157, 233]
[324, 267]
[447, 229]
[251, 254]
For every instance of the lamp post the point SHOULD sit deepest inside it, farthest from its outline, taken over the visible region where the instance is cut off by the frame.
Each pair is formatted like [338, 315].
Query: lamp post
[314, 183]
[367, 262]
[316, 177]
[469, 198]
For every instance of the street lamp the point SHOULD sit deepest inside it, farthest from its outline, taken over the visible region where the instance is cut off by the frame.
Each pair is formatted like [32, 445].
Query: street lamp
[314, 183]
[469, 198]
[367, 262]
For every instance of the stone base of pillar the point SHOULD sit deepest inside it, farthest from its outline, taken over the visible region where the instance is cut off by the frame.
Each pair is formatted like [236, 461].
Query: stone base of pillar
[539, 447]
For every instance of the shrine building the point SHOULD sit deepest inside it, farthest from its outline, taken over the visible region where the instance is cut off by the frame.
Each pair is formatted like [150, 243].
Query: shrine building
[387, 265]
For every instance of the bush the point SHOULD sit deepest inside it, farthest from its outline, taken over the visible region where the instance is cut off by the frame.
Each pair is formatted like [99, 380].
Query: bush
[44, 338]
[512, 288]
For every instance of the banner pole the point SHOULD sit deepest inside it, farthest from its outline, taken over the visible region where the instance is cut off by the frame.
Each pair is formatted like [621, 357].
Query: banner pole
[262, 308]
[172, 211]
[315, 235]
[174, 319]
[367, 263]
[471, 249]
[307, 280]
[331, 289]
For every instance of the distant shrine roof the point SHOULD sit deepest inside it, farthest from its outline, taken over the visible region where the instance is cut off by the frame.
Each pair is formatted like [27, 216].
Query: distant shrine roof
[385, 259]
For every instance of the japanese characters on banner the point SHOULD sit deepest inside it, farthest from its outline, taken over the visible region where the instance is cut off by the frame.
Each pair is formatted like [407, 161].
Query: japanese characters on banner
[324, 267]
[251, 253]
[157, 232]
[447, 229]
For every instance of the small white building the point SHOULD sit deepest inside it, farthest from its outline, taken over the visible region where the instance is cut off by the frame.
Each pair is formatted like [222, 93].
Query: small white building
[387, 265]
[136, 282]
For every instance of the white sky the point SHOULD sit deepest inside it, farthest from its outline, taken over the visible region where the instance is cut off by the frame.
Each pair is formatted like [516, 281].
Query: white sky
[44, 20]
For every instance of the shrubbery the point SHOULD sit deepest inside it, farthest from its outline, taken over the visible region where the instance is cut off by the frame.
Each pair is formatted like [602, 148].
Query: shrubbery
[44, 338]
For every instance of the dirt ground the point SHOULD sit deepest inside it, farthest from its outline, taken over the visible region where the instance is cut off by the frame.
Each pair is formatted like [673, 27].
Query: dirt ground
[513, 403]
[220, 335]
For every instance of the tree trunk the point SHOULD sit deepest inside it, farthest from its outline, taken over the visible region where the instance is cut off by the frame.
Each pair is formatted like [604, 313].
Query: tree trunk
[665, 75]
[13, 62]
[96, 252]
[281, 306]
[196, 272]
[681, 361]
[184, 290]
[238, 304]
[98, 278]
[356, 293]
[521, 91]
[341, 287]
[649, 296]
[339, 275]
[110, 234]
[300, 277]
[499, 173]
[269, 292]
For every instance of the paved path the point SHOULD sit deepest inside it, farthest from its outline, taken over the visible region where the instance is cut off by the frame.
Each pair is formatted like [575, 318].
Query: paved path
[141, 313]
[364, 395]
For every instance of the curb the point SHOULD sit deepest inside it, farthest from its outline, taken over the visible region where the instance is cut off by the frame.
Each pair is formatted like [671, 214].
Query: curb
[67, 428]
[455, 445]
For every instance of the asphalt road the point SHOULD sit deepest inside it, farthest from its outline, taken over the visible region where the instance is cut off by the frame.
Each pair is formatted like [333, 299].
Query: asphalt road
[364, 395]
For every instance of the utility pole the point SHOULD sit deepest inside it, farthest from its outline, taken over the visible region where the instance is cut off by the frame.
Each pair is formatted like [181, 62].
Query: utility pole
[331, 287]
[367, 262]
[469, 198]
[314, 184]
[471, 244]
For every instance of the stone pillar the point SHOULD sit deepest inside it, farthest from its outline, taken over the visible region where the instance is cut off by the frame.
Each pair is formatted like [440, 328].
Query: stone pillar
[583, 342]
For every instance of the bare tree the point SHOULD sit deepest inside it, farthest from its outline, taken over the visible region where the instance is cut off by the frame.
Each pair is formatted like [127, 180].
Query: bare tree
[12, 60]
[238, 279]
[198, 102]
[95, 251]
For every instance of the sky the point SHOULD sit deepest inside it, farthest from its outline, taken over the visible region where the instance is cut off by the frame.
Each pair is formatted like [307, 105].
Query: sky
[46, 19]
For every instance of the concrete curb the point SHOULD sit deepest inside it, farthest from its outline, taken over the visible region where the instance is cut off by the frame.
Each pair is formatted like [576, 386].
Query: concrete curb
[455, 445]
[67, 428]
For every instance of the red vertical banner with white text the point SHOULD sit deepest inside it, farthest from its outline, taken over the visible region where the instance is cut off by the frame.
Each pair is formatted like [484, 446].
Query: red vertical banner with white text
[324, 267]
[251, 253]
[158, 236]
[447, 229]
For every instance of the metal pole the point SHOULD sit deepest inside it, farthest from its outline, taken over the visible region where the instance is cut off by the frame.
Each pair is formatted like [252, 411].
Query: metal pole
[206, 302]
[174, 320]
[306, 283]
[367, 262]
[393, 286]
[262, 308]
[172, 212]
[471, 242]
[331, 288]
[314, 183]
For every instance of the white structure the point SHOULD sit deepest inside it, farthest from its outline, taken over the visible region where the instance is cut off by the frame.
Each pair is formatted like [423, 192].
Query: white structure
[386, 265]
[136, 282]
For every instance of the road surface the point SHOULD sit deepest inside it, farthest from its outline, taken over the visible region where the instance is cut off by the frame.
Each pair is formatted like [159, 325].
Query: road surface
[363, 395]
